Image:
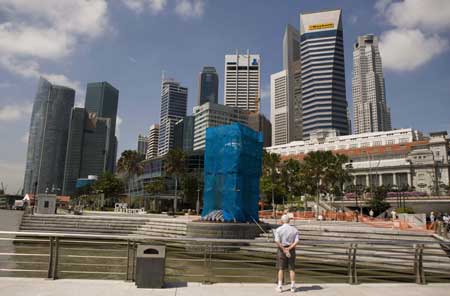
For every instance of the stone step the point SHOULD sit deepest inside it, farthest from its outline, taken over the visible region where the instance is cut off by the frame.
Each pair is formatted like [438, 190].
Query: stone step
[80, 225]
[168, 227]
[172, 231]
[77, 230]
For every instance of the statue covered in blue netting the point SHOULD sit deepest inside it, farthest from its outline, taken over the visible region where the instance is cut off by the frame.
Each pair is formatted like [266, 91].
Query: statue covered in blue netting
[233, 159]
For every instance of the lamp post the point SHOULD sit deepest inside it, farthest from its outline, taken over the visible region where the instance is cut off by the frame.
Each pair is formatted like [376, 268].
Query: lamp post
[197, 205]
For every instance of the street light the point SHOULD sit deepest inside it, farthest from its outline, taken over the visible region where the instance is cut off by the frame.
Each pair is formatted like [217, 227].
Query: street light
[197, 206]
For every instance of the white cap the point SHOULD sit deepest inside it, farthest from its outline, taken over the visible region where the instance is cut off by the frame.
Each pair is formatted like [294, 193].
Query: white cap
[285, 219]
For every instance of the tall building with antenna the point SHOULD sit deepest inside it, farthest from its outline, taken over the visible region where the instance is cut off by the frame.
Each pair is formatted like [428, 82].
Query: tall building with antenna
[370, 110]
[242, 81]
[173, 108]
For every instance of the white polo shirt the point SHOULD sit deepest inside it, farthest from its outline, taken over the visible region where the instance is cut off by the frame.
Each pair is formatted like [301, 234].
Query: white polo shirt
[286, 234]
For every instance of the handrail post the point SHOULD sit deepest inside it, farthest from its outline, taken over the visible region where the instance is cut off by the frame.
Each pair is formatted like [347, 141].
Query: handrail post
[133, 274]
[352, 273]
[50, 258]
[55, 260]
[128, 261]
[418, 264]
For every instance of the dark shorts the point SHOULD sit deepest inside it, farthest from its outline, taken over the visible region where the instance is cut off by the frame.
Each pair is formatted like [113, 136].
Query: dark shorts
[284, 262]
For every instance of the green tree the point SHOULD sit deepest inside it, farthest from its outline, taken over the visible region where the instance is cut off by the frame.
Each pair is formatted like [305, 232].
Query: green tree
[175, 167]
[339, 173]
[109, 185]
[130, 164]
[190, 185]
[155, 187]
[290, 178]
[378, 201]
[271, 164]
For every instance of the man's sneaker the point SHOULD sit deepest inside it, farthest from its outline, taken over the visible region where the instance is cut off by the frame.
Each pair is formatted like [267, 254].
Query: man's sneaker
[279, 289]
[293, 289]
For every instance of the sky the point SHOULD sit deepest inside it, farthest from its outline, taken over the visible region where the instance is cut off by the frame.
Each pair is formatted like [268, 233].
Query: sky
[130, 43]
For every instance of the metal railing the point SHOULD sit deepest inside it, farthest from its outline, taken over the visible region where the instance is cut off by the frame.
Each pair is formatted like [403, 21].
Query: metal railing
[63, 255]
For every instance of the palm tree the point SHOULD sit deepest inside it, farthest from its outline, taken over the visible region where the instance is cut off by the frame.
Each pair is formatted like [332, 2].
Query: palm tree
[130, 165]
[271, 163]
[175, 166]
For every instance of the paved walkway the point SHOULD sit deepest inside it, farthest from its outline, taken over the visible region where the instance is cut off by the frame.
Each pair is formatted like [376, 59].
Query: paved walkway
[43, 287]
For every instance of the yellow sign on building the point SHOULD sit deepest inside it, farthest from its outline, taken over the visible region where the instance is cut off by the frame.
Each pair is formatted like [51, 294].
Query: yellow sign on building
[321, 26]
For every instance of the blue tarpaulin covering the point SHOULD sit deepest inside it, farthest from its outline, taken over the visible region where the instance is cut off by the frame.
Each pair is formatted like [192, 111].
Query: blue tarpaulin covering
[233, 158]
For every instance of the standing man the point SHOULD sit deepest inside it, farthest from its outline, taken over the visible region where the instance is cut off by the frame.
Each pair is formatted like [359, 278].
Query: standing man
[286, 239]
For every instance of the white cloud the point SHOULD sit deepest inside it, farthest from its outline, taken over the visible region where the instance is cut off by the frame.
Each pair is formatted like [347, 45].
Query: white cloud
[404, 49]
[190, 8]
[31, 69]
[414, 40]
[139, 6]
[15, 112]
[433, 15]
[47, 30]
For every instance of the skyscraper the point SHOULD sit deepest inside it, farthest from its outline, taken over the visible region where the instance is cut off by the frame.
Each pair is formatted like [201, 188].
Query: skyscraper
[279, 109]
[242, 81]
[173, 108]
[370, 110]
[87, 146]
[324, 103]
[47, 141]
[208, 86]
[292, 65]
[142, 145]
[152, 147]
[102, 98]
[184, 134]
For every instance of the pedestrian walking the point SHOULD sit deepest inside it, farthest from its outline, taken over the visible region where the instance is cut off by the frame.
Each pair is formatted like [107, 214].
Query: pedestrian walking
[286, 239]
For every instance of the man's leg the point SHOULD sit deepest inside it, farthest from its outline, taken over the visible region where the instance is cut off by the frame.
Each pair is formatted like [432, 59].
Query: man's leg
[280, 277]
[292, 276]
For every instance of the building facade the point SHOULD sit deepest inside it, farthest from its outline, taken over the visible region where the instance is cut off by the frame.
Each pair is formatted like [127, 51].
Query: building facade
[242, 81]
[208, 86]
[258, 122]
[210, 114]
[370, 110]
[47, 141]
[292, 66]
[153, 136]
[173, 108]
[279, 107]
[102, 99]
[184, 134]
[401, 157]
[87, 146]
[324, 103]
[142, 145]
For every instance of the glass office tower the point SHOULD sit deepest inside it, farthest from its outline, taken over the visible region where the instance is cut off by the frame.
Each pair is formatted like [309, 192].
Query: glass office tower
[208, 86]
[102, 98]
[49, 126]
[324, 103]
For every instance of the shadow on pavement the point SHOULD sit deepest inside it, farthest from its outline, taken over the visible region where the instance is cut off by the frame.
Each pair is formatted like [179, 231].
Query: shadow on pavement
[175, 285]
[309, 288]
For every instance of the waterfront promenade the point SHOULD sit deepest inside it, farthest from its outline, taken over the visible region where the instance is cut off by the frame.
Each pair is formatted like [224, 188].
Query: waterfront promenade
[42, 287]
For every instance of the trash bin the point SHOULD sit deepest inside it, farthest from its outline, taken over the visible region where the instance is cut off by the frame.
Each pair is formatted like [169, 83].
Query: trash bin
[150, 264]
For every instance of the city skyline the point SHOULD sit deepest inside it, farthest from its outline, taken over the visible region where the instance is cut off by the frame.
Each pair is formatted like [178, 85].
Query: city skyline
[91, 61]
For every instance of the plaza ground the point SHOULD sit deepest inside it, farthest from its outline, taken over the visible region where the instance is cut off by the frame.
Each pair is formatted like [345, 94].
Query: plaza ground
[44, 287]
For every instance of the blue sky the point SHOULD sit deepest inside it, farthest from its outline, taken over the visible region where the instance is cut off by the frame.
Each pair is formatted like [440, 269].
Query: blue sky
[130, 42]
